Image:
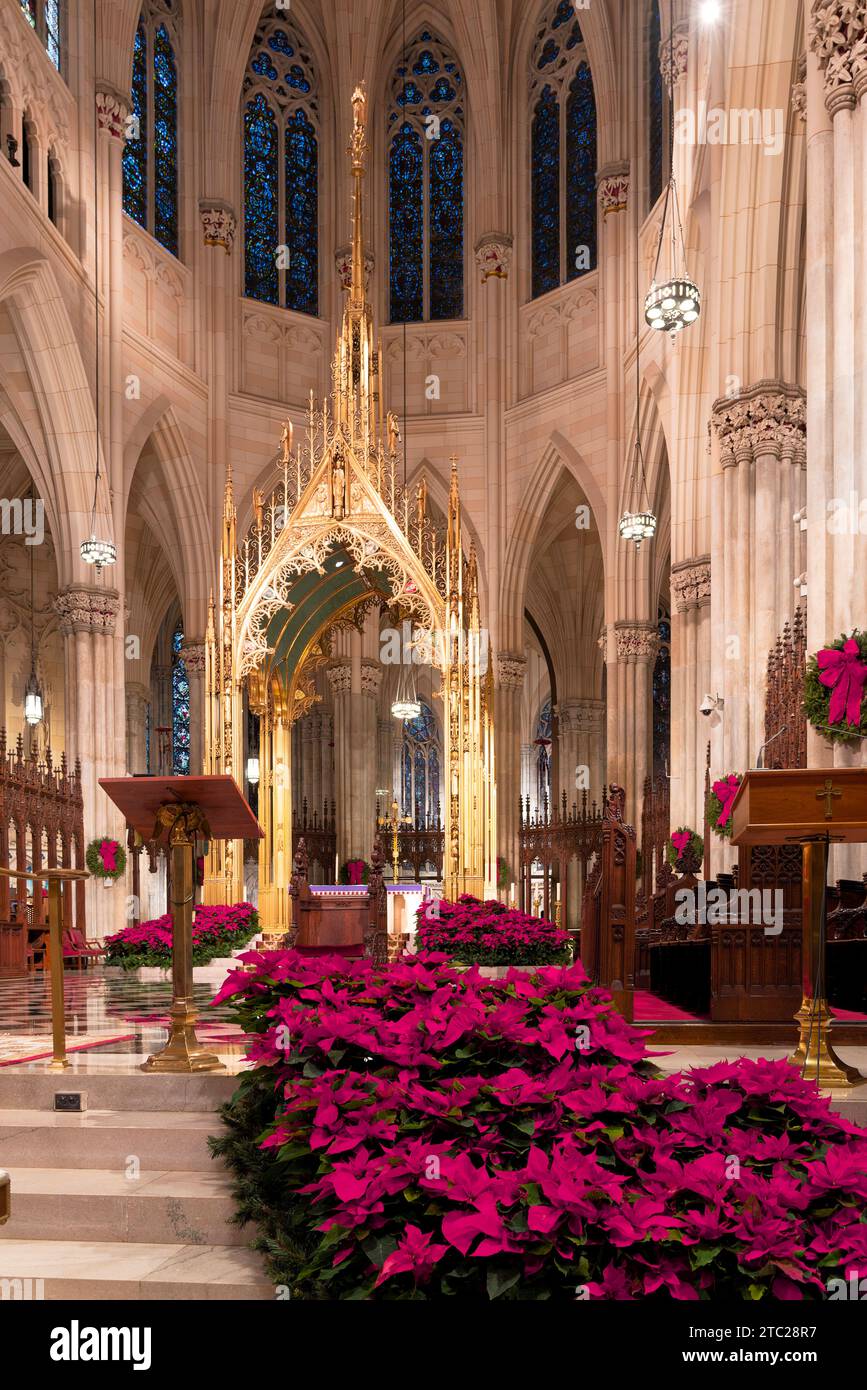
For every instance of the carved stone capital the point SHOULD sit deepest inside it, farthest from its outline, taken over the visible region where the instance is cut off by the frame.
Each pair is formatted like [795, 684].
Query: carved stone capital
[219, 225]
[838, 37]
[138, 696]
[581, 716]
[636, 641]
[799, 100]
[82, 609]
[674, 55]
[612, 184]
[343, 262]
[371, 679]
[511, 669]
[112, 110]
[768, 418]
[494, 255]
[690, 583]
[192, 654]
[340, 679]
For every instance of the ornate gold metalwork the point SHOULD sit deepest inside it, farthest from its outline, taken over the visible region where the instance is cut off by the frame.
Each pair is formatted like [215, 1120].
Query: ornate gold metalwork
[340, 488]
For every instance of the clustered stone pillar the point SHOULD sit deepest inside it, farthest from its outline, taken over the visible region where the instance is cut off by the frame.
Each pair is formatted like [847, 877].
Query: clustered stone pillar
[836, 319]
[218, 233]
[762, 455]
[690, 679]
[138, 698]
[88, 621]
[193, 656]
[510, 671]
[630, 702]
[355, 687]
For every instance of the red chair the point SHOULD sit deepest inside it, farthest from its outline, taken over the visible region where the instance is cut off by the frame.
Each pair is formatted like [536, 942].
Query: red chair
[71, 950]
[95, 950]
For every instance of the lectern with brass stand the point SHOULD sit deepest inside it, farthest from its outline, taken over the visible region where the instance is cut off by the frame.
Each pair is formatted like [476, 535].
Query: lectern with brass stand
[813, 808]
[182, 811]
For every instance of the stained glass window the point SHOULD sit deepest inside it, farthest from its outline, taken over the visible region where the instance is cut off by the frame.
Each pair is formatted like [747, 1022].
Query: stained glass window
[662, 695]
[542, 743]
[580, 174]
[281, 132]
[421, 769]
[180, 708]
[656, 116]
[426, 123]
[563, 152]
[48, 18]
[150, 157]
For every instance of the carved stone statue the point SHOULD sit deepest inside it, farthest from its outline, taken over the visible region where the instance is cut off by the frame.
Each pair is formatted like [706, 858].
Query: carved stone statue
[393, 429]
[338, 485]
[286, 441]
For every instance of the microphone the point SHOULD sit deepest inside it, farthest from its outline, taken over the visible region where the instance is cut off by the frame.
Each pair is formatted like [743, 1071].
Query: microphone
[826, 728]
[759, 760]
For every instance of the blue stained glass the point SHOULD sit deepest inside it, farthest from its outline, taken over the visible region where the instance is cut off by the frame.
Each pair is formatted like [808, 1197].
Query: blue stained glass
[581, 173]
[165, 142]
[29, 8]
[575, 38]
[302, 276]
[543, 724]
[260, 201]
[442, 90]
[422, 729]
[434, 781]
[281, 43]
[410, 94]
[426, 62]
[549, 53]
[295, 77]
[407, 780]
[420, 767]
[546, 193]
[264, 67]
[565, 12]
[135, 159]
[662, 698]
[406, 225]
[655, 104]
[180, 710]
[446, 224]
[52, 31]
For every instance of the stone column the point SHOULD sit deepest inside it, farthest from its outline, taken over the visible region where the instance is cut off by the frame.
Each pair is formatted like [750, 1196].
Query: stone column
[193, 656]
[365, 750]
[636, 646]
[218, 232]
[493, 252]
[87, 621]
[326, 754]
[138, 698]
[510, 671]
[690, 669]
[340, 680]
[762, 437]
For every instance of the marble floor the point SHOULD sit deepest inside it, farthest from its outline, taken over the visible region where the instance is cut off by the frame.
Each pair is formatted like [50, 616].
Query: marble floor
[113, 1019]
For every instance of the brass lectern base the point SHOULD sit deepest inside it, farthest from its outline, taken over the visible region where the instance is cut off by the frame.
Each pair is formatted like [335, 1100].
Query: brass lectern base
[183, 1052]
[814, 1056]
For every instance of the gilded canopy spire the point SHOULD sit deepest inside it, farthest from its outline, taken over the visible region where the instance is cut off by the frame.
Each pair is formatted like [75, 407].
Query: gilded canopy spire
[358, 153]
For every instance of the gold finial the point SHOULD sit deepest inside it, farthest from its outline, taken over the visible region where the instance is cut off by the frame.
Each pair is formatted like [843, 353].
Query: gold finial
[358, 153]
[229, 495]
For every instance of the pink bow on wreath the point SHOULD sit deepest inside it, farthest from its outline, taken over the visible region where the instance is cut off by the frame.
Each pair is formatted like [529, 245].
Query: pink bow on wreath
[680, 839]
[725, 793]
[845, 674]
[108, 854]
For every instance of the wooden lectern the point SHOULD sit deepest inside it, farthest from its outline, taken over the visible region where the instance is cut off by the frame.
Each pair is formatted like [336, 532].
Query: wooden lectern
[183, 810]
[814, 808]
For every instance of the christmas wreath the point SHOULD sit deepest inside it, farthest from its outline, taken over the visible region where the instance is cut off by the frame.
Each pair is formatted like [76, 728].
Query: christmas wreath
[685, 850]
[354, 871]
[719, 804]
[106, 858]
[835, 687]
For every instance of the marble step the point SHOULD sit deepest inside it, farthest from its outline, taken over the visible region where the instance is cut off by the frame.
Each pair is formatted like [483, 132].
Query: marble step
[157, 1140]
[104, 1205]
[22, 1089]
[104, 1270]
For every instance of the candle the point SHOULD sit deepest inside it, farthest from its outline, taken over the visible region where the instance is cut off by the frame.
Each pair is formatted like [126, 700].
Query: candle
[558, 892]
[512, 894]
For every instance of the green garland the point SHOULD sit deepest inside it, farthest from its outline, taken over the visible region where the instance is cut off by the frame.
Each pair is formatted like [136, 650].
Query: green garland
[696, 844]
[817, 697]
[713, 810]
[93, 859]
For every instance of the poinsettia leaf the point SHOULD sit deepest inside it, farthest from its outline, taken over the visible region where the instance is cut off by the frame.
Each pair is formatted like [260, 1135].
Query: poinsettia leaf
[499, 1281]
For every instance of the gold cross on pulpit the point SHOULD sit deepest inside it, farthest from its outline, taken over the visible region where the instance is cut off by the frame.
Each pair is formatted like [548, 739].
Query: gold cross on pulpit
[829, 794]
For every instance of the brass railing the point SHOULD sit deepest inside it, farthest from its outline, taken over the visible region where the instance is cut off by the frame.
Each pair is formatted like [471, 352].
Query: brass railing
[54, 878]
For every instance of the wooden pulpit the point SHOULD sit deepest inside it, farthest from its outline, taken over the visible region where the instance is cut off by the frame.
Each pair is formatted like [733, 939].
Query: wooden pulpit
[813, 807]
[180, 811]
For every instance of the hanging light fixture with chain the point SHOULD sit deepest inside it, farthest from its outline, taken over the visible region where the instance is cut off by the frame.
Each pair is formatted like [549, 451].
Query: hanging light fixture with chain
[95, 550]
[33, 702]
[675, 303]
